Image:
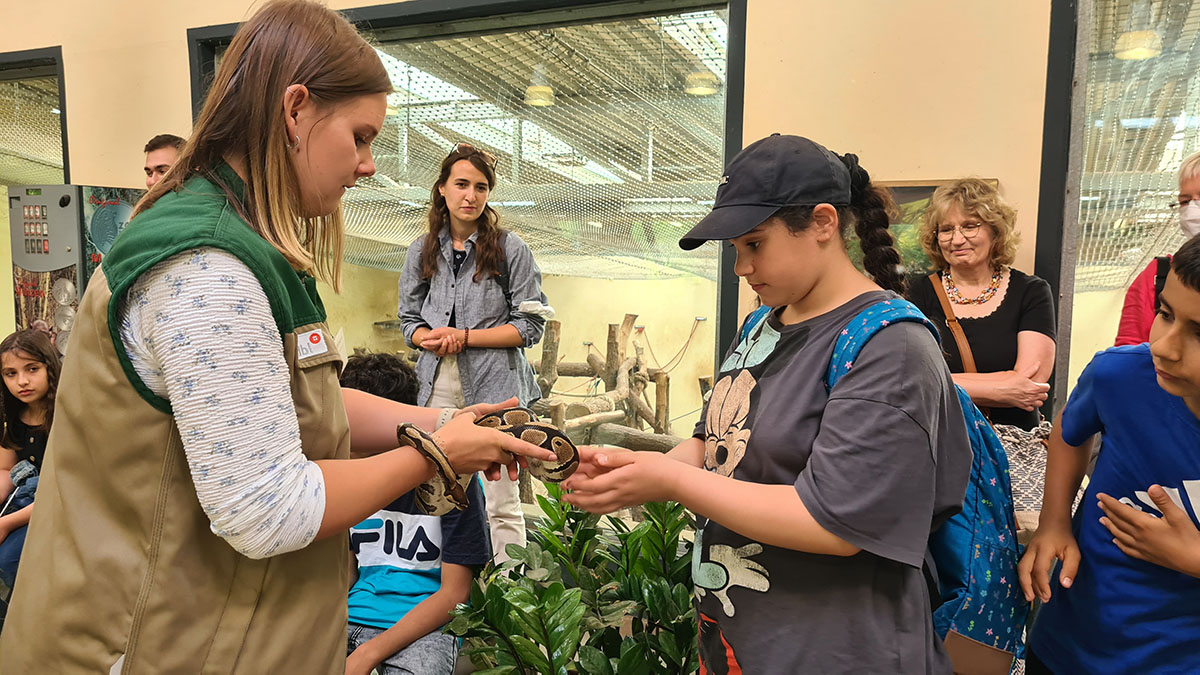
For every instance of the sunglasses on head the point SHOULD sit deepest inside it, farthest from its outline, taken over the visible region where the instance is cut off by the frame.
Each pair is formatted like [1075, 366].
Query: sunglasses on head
[468, 149]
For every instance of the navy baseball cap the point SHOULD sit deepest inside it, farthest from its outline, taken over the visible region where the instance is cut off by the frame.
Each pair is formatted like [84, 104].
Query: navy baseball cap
[768, 175]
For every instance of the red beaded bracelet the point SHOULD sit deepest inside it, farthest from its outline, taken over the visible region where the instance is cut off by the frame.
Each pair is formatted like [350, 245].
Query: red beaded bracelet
[466, 336]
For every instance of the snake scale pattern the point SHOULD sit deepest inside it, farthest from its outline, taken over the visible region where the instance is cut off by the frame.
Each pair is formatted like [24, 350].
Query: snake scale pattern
[447, 490]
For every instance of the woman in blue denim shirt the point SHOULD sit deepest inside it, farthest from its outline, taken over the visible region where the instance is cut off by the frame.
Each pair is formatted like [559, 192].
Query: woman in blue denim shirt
[471, 299]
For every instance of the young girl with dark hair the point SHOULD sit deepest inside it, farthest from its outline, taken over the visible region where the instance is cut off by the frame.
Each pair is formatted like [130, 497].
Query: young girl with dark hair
[471, 299]
[30, 366]
[814, 504]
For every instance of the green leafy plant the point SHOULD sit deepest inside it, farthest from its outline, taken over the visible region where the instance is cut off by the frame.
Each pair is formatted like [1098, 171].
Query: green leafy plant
[581, 598]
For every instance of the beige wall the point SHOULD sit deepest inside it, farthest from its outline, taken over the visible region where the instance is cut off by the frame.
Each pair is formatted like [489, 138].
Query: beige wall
[1093, 327]
[920, 89]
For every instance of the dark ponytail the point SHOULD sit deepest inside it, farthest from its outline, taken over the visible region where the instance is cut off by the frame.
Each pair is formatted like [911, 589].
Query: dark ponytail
[872, 210]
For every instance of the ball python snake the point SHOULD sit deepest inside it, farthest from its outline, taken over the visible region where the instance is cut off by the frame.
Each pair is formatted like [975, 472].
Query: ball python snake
[447, 490]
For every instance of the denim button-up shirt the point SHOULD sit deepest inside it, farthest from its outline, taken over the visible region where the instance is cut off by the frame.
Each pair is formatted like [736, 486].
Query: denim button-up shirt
[488, 375]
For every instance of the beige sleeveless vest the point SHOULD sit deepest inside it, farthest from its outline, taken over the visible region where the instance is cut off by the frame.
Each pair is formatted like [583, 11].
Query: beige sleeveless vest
[120, 572]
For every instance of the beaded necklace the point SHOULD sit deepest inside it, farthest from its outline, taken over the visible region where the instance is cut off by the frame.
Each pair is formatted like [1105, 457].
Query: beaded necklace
[988, 293]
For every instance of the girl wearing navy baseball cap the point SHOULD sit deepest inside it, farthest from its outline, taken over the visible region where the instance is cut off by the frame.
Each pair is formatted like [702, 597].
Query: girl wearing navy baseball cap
[815, 494]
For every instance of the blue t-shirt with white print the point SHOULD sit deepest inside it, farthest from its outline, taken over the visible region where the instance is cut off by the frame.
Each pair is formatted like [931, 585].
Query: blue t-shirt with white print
[1124, 615]
[400, 552]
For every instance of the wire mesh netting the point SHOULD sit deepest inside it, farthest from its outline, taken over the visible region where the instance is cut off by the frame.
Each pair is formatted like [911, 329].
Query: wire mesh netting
[609, 138]
[1142, 120]
[30, 132]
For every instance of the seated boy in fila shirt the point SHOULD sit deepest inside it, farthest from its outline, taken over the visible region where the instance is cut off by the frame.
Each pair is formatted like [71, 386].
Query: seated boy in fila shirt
[412, 568]
[1126, 596]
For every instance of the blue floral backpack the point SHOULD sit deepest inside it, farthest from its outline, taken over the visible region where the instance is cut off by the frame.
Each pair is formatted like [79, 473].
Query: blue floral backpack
[981, 610]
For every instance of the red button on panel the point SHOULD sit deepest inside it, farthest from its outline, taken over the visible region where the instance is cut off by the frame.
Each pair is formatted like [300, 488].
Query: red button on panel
[45, 246]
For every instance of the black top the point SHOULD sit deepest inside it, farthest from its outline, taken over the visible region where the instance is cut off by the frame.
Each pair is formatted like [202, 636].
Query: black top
[1027, 305]
[459, 258]
[32, 442]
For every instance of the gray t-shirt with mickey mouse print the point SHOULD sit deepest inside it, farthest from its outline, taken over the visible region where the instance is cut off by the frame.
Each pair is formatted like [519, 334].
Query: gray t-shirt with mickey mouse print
[878, 462]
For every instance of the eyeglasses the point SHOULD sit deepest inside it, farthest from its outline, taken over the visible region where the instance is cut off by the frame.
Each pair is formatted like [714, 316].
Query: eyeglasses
[467, 149]
[969, 230]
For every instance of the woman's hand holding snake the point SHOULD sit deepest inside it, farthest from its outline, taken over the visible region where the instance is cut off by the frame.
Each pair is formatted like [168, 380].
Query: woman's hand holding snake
[471, 447]
[466, 444]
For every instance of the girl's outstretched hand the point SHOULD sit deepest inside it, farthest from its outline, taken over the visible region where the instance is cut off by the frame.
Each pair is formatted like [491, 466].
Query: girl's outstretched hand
[588, 456]
[622, 478]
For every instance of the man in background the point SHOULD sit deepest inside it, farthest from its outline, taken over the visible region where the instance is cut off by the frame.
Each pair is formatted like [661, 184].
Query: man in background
[161, 152]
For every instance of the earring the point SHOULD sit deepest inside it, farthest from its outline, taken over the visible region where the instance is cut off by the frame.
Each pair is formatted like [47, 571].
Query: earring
[294, 146]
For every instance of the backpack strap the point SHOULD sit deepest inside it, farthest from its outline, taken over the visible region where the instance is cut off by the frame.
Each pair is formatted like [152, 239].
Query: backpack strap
[1160, 278]
[502, 276]
[752, 320]
[863, 327]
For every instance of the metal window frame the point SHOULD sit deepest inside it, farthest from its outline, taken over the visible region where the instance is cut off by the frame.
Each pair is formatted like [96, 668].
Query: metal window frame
[42, 62]
[1055, 251]
[432, 18]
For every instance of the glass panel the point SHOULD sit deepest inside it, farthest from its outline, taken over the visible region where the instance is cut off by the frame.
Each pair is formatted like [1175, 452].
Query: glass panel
[30, 132]
[609, 138]
[1142, 119]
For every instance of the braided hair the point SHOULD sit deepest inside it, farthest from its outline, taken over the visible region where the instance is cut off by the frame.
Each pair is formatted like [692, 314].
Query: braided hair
[872, 210]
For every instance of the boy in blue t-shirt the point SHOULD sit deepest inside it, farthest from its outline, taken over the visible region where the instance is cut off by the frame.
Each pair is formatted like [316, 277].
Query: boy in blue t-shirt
[412, 568]
[1126, 597]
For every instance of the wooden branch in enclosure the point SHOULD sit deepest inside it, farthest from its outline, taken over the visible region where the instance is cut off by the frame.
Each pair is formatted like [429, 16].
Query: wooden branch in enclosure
[612, 358]
[623, 436]
[571, 369]
[623, 335]
[574, 369]
[645, 413]
[637, 385]
[548, 373]
[597, 365]
[592, 420]
[525, 486]
[558, 413]
[662, 402]
[590, 406]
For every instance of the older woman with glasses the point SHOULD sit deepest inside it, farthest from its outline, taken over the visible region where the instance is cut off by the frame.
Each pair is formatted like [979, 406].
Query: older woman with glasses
[997, 322]
[471, 300]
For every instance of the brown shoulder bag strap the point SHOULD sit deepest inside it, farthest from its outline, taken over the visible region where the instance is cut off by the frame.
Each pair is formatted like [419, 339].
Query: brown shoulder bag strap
[960, 338]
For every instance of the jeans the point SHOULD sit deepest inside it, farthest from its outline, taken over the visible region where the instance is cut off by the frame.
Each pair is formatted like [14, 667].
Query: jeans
[10, 555]
[434, 654]
[10, 548]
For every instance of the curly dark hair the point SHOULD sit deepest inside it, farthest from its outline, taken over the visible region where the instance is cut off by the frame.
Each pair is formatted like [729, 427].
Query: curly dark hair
[382, 374]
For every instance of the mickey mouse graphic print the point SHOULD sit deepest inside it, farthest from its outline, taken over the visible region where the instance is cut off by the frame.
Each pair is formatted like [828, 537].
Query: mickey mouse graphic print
[878, 461]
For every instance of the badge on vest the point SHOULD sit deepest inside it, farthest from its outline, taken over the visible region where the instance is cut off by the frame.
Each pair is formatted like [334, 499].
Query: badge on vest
[312, 343]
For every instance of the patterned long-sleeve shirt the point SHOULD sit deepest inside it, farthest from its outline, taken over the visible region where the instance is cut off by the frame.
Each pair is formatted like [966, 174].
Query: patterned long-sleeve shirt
[199, 332]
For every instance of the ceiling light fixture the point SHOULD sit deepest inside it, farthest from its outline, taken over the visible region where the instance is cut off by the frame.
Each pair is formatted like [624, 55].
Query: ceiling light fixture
[701, 83]
[1138, 45]
[539, 93]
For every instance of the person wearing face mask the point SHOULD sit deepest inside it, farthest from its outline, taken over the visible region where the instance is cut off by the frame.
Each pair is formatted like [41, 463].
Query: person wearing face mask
[1141, 300]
